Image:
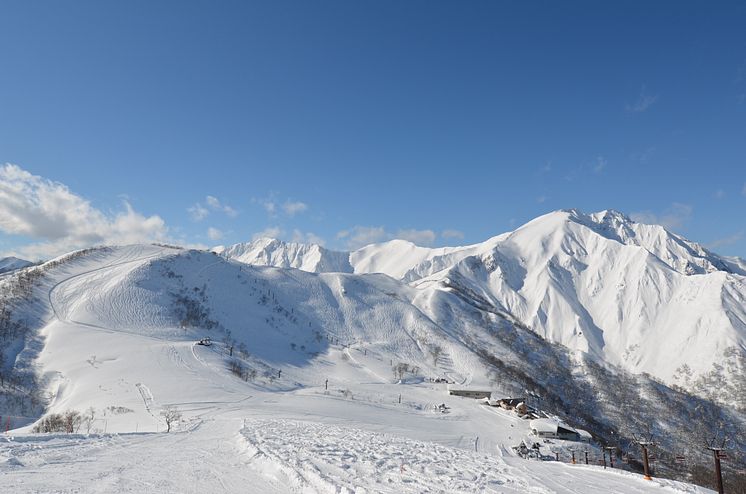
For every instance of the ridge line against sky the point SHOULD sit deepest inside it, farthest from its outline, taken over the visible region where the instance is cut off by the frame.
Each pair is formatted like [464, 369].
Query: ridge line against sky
[54, 220]
[344, 124]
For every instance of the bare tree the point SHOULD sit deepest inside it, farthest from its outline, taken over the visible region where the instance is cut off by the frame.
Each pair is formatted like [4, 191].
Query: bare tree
[72, 419]
[88, 418]
[171, 415]
[401, 369]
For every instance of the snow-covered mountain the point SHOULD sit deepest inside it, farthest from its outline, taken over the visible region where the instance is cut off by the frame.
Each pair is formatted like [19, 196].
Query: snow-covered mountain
[8, 264]
[271, 252]
[330, 348]
[626, 293]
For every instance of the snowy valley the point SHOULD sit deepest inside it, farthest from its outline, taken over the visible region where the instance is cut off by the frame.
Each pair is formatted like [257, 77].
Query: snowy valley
[332, 371]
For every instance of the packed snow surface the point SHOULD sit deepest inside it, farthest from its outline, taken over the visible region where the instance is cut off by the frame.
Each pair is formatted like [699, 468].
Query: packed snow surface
[323, 412]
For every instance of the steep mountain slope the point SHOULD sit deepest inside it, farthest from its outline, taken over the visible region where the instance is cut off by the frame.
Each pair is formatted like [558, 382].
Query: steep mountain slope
[620, 291]
[625, 293]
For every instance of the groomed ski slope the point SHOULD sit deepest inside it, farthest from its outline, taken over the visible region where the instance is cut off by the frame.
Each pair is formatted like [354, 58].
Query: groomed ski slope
[110, 344]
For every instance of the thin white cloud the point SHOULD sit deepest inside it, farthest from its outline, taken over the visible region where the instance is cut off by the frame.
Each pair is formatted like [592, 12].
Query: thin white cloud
[600, 164]
[743, 190]
[729, 240]
[672, 218]
[307, 238]
[644, 101]
[198, 212]
[450, 233]
[360, 236]
[39, 208]
[546, 168]
[291, 208]
[269, 232]
[541, 199]
[214, 234]
[719, 194]
[419, 237]
[275, 207]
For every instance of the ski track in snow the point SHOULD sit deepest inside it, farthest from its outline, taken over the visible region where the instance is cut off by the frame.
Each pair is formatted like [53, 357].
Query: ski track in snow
[325, 458]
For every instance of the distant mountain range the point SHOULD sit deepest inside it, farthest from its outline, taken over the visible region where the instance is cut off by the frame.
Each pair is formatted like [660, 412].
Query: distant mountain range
[630, 294]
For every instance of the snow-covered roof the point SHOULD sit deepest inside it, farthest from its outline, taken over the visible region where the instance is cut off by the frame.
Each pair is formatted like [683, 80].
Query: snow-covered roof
[550, 426]
[584, 434]
[544, 425]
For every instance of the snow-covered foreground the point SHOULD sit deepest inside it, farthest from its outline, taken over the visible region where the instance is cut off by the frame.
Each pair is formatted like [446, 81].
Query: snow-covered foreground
[281, 456]
[224, 453]
[235, 437]
[333, 420]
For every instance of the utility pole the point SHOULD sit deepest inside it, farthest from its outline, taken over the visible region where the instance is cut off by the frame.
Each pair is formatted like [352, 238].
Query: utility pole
[645, 461]
[645, 441]
[586, 456]
[611, 450]
[718, 453]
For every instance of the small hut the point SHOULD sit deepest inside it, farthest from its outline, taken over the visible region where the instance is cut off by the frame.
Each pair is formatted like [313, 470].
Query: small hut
[554, 429]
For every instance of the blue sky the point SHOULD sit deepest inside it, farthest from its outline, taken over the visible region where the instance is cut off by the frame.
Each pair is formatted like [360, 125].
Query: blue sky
[348, 122]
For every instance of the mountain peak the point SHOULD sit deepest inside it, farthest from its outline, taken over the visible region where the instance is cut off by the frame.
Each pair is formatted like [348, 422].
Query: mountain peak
[12, 263]
[267, 251]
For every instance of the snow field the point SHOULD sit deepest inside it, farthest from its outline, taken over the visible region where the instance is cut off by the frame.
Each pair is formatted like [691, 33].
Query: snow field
[112, 345]
[317, 457]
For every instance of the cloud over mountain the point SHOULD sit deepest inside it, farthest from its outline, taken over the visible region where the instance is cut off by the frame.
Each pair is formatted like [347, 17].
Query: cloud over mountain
[48, 211]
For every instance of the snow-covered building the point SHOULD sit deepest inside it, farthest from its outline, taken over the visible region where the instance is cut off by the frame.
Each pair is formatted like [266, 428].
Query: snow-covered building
[511, 403]
[585, 436]
[470, 393]
[553, 428]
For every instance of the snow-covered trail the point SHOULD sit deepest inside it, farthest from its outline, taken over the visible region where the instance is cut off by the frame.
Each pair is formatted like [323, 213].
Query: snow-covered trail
[228, 454]
[207, 459]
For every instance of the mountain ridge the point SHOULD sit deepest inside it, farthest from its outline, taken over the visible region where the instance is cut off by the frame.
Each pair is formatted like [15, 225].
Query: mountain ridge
[599, 283]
